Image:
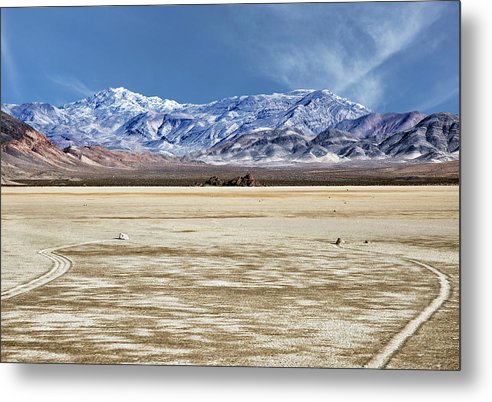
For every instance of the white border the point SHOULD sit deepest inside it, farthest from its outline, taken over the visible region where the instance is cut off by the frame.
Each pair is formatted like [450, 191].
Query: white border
[123, 383]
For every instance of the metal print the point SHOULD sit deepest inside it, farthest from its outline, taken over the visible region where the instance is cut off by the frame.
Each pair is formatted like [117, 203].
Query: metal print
[235, 185]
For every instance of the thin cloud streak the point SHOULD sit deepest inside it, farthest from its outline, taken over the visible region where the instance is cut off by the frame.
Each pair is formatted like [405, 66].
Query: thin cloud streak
[438, 100]
[73, 85]
[10, 72]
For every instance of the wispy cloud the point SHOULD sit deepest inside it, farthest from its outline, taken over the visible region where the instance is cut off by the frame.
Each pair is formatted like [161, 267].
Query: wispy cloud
[342, 50]
[72, 84]
[441, 95]
[10, 73]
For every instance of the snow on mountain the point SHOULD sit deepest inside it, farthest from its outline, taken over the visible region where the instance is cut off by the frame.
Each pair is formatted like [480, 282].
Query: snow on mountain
[278, 145]
[434, 138]
[119, 118]
[41, 114]
[437, 137]
[298, 126]
[93, 120]
[380, 125]
[197, 127]
[110, 108]
[28, 154]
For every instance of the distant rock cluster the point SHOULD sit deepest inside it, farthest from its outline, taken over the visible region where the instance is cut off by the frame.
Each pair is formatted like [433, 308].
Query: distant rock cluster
[241, 181]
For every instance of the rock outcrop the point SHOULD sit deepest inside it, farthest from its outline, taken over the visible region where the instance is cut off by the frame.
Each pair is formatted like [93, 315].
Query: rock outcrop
[214, 181]
[240, 181]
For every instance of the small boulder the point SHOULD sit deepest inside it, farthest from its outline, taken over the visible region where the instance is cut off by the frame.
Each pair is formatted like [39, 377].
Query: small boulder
[339, 241]
[123, 236]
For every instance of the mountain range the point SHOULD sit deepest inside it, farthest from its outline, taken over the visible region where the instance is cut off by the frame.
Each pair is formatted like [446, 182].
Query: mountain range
[27, 153]
[295, 127]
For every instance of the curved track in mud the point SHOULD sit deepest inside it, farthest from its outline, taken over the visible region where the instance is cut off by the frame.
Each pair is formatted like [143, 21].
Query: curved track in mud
[381, 359]
[61, 265]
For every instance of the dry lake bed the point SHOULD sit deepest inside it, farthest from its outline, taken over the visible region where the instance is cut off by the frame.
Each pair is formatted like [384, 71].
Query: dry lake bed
[232, 276]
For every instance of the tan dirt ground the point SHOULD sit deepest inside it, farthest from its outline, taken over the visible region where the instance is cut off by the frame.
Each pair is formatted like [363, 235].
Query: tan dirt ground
[231, 276]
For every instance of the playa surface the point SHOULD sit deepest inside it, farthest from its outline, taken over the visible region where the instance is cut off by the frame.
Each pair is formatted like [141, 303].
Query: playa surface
[232, 276]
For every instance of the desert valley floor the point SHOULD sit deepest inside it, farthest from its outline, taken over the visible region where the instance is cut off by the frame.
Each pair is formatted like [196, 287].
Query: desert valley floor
[232, 276]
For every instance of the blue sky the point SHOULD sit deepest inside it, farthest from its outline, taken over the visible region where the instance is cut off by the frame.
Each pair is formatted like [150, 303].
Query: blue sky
[387, 56]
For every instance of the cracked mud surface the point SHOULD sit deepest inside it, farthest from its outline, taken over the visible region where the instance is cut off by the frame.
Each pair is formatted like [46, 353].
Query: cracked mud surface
[231, 276]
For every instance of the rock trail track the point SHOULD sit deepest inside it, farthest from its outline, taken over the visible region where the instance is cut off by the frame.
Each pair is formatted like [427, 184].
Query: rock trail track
[61, 266]
[382, 358]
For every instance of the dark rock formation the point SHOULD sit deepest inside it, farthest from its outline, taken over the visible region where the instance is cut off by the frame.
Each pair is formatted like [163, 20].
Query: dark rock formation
[240, 181]
[214, 181]
[244, 181]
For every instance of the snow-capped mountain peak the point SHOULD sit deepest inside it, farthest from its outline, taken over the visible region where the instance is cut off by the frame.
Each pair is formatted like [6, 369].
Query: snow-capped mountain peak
[298, 126]
[124, 99]
[120, 118]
